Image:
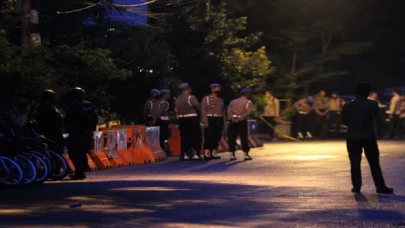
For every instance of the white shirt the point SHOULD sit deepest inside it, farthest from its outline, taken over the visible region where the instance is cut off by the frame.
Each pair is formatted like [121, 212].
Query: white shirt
[394, 105]
[358, 115]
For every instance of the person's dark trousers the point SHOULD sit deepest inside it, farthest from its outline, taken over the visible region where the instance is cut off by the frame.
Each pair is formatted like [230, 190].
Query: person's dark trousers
[164, 133]
[190, 133]
[304, 123]
[239, 128]
[355, 148]
[393, 129]
[213, 133]
[401, 127]
[79, 144]
[335, 121]
[271, 120]
[321, 129]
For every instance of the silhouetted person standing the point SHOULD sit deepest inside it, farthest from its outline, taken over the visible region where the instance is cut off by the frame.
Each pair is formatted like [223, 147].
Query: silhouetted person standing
[271, 113]
[80, 121]
[394, 112]
[49, 119]
[358, 115]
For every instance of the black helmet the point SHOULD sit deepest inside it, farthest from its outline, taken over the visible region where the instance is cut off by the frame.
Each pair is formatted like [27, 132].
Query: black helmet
[77, 94]
[48, 96]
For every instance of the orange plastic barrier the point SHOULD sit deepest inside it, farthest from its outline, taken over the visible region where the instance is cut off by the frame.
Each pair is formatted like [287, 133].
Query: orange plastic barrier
[138, 155]
[100, 158]
[121, 148]
[90, 163]
[152, 142]
[174, 140]
[140, 145]
[70, 163]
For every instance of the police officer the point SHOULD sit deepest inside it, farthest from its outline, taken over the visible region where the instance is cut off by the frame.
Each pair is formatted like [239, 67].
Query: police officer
[335, 107]
[271, 112]
[321, 107]
[187, 109]
[49, 119]
[154, 100]
[303, 118]
[212, 116]
[238, 112]
[163, 121]
[80, 122]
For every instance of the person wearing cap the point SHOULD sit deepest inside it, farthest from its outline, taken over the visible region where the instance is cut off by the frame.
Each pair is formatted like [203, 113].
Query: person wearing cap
[163, 117]
[321, 107]
[358, 115]
[187, 109]
[238, 111]
[149, 105]
[212, 116]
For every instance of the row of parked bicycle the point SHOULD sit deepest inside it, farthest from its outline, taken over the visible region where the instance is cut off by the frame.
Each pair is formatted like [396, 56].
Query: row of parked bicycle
[25, 156]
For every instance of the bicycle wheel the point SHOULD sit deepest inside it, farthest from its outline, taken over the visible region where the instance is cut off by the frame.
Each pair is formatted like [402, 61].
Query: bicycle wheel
[27, 167]
[40, 166]
[60, 167]
[10, 172]
[45, 157]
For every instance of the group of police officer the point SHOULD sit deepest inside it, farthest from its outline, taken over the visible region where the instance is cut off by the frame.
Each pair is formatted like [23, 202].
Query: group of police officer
[80, 121]
[210, 112]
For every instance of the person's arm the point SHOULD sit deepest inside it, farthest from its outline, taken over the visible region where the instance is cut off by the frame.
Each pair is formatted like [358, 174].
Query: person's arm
[194, 102]
[204, 104]
[316, 108]
[297, 105]
[375, 109]
[249, 108]
[230, 112]
[277, 107]
[393, 104]
[345, 115]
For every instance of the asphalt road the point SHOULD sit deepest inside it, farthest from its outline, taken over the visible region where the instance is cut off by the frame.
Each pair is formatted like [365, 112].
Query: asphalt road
[297, 184]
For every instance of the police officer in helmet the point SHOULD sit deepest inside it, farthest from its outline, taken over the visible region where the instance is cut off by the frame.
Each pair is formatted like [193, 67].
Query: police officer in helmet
[49, 119]
[80, 122]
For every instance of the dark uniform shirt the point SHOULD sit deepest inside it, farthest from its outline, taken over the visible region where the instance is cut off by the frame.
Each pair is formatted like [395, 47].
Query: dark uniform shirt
[240, 108]
[187, 104]
[80, 118]
[211, 106]
[358, 116]
[49, 119]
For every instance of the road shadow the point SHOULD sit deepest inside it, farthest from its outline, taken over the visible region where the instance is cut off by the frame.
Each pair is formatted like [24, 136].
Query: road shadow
[133, 204]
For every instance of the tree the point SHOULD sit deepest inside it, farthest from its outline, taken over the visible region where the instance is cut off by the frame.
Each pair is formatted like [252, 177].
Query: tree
[314, 41]
[209, 46]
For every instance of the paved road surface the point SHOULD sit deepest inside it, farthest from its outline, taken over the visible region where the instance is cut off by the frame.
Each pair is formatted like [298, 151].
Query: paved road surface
[286, 185]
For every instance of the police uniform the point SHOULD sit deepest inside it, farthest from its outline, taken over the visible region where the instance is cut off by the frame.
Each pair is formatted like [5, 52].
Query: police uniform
[335, 108]
[163, 118]
[187, 109]
[212, 113]
[303, 118]
[238, 112]
[149, 105]
[80, 122]
[49, 120]
[321, 106]
[271, 112]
